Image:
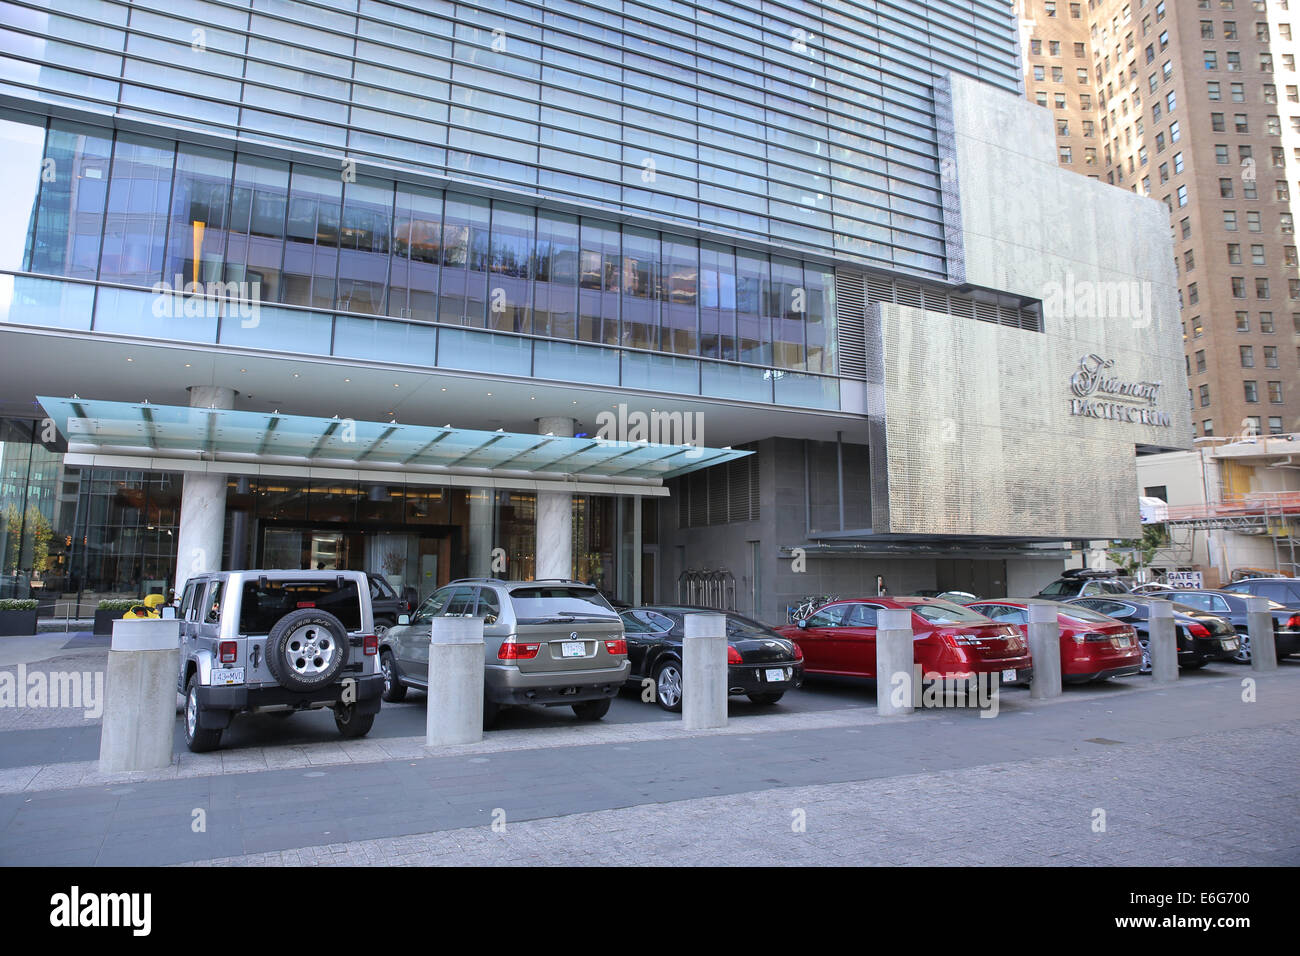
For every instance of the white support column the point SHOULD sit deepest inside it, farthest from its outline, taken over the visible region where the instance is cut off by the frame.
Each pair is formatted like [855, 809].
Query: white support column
[203, 503]
[704, 671]
[1259, 629]
[1045, 649]
[554, 516]
[895, 663]
[454, 710]
[481, 502]
[1162, 643]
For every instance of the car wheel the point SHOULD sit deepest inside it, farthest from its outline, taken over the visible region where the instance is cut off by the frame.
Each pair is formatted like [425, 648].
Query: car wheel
[1146, 655]
[491, 712]
[394, 689]
[307, 649]
[197, 739]
[591, 709]
[350, 723]
[766, 698]
[668, 686]
[1243, 648]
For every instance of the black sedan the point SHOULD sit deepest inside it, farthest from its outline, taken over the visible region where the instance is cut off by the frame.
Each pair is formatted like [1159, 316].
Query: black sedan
[1202, 637]
[762, 664]
[1231, 606]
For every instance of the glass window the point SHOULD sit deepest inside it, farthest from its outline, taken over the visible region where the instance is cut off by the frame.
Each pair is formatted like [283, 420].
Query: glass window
[511, 251]
[259, 203]
[555, 276]
[640, 280]
[753, 320]
[312, 251]
[462, 297]
[600, 281]
[788, 308]
[74, 194]
[365, 238]
[717, 301]
[681, 269]
[196, 243]
[136, 222]
[417, 253]
[22, 145]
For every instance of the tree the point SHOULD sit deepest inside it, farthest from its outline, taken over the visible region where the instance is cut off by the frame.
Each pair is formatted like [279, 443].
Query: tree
[1135, 553]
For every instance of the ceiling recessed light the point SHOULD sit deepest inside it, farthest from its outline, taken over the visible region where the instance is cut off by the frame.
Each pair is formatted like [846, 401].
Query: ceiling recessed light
[347, 380]
[444, 390]
[489, 394]
[295, 374]
[395, 385]
[243, 370]
[187, 365]
[130, 360]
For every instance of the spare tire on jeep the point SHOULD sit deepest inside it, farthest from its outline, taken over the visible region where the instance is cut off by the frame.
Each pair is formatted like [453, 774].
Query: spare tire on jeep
[307, 649]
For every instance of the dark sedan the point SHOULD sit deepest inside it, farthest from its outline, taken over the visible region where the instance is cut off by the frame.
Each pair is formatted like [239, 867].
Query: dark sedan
[1231, 606]
[1201, 637]
[762, 664]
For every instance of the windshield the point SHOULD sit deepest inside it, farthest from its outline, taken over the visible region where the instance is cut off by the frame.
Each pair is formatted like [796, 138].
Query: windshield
[1058, 587]
[262, 606]
[547, 602]
[948, 614]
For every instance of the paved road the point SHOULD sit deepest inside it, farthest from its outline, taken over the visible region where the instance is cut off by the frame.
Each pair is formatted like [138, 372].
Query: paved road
[1190, 772]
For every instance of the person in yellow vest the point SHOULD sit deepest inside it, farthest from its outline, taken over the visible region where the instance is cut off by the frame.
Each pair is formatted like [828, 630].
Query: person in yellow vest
[150, 608]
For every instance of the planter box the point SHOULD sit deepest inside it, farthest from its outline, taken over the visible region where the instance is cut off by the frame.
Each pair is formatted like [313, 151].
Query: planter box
[104, 621]
[14, 623]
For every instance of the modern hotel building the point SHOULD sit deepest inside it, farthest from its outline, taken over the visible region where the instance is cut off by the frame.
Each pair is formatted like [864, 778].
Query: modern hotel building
[722, 302]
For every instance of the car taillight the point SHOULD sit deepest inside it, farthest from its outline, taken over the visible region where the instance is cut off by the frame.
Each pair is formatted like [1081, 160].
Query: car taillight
[370, 644]
[733, 656]
[510, 651]
[229, 652]
[616, 647]
[798, 651]
[1293, 624]
[1198, 630]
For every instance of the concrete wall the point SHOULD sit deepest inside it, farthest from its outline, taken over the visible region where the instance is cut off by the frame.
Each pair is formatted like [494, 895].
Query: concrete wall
[980, 432]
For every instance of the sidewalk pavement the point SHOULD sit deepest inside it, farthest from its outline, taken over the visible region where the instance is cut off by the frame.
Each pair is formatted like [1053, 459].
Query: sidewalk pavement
[1198, 774]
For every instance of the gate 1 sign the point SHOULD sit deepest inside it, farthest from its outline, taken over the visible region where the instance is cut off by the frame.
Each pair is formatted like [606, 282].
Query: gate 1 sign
[1187, 580]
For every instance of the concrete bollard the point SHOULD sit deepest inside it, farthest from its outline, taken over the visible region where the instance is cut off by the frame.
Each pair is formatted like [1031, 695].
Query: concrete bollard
[140, 696]
[704, 672]
[1259, 625]
[1045, 648]
[1162, 643]
[895, 662]
[455, 706]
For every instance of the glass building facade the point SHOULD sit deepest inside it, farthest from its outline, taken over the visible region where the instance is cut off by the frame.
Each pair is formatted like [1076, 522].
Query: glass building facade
[806, 124]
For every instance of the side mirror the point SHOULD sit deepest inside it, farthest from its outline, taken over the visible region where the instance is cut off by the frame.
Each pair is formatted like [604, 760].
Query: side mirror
[403, 619]
[803, 623]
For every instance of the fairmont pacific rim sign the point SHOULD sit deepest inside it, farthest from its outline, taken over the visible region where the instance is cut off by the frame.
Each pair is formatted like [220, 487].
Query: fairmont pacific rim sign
[1098, 394]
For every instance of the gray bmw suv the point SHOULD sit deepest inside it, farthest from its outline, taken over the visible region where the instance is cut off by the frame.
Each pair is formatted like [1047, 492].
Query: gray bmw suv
[550, 642]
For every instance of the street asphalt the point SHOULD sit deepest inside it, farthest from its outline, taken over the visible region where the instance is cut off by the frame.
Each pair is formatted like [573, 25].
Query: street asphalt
[1200, 772]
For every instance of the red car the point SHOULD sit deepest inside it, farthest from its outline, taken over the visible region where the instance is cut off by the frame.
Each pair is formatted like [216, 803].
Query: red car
[950, 640]
[1093, 646]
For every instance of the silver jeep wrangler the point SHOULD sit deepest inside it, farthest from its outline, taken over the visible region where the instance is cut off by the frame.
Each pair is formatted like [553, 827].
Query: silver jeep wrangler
[277, 642]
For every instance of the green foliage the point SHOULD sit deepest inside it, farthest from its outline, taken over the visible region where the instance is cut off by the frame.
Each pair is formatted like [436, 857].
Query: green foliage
[18, 604]
[1136, 553]
[107, 605]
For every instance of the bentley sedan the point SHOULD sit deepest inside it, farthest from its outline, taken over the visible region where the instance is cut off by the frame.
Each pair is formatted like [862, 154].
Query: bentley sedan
[761, 664]
[1202, 637]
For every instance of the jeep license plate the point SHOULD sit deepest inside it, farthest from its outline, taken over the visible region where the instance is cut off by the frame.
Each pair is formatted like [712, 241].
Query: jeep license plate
[228, 675]
[573, 649]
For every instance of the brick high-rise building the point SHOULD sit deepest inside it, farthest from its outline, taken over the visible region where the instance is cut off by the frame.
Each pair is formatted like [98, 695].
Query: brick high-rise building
[1196, 103]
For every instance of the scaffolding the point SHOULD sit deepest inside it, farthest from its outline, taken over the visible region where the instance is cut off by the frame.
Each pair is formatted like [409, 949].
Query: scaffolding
[1272, 513]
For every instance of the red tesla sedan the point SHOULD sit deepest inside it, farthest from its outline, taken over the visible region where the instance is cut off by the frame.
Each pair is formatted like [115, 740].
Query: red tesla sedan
[950, 640]
[1093, 646]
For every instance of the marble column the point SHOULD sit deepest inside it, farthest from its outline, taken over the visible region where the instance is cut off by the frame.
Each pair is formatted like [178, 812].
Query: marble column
[555, 516]
[481, 508]
[203, 503]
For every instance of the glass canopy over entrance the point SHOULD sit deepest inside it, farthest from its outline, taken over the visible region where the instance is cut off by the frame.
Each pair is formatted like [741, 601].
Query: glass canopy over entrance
[124, 428]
